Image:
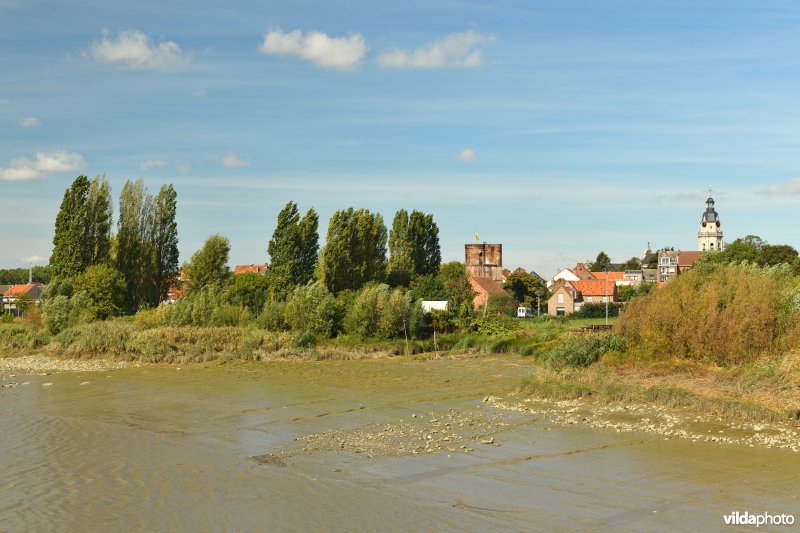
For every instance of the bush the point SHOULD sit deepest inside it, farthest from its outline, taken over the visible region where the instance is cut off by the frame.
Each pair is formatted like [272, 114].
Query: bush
[725, 314]
[312, 308]
[6, 318]
[581, 350]
[62, 312]
[272, 317]
[205, 307]
[597, 310]
[494, 325]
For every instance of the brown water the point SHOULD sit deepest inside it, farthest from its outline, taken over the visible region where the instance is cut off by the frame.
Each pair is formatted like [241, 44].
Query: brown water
[167, 449]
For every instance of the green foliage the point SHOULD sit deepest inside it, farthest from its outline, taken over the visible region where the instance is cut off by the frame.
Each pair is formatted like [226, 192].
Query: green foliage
[59, 287]
[626, 293]
[164, 240]
[67, 258]
[104, 288]
[209, 265]
[501, 303]
[61, 312]
[523, 287]
[6, 317]
[413, 247]
[494, 325]
[355, 250]
[601, 263]
[205, 307]
[313, 308]
[133, 248]
[293, 250]
[455, 281]
[428, 287]
[96, 240]
[272, 317]
[634, 263]
[248, 290]
[19, 276]
[597, 310]
[581, 350]
[752, 249]
[379, 311]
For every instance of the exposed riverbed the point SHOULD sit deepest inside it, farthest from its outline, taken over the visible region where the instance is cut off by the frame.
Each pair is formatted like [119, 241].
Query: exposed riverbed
[386, 444]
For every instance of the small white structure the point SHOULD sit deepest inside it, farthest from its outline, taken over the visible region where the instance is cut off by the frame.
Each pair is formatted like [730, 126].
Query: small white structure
[430, 305]
[524, 312]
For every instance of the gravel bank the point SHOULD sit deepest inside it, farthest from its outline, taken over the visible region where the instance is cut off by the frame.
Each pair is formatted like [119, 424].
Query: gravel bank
[670, 423]
[39, 364]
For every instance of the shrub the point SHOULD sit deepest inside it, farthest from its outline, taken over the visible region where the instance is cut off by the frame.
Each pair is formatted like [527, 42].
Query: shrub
[581, 350]
[725, 314]
[597, 310]
[494, 325]
[312, 308]
[272, 316]
[61, 312]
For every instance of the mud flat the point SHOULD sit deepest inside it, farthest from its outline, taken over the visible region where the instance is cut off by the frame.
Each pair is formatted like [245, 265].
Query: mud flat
[43, 363]
[388, 444]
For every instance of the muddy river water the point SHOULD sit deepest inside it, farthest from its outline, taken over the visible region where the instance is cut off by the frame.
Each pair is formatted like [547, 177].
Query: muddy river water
[168, 449]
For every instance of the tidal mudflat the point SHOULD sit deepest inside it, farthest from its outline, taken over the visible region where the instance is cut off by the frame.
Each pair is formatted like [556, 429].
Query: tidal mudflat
[384, 444]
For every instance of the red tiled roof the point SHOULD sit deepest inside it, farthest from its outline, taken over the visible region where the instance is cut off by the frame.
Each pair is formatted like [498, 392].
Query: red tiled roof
[613, 276]
[258, 269]
[593, 287]
[687, 259]
[488, 285]
[19, 290]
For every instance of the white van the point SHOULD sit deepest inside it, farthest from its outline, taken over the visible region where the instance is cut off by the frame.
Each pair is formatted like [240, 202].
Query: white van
[524, 312]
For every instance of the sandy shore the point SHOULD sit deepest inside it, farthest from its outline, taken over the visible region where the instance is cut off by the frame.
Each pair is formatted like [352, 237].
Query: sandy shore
[39, 364]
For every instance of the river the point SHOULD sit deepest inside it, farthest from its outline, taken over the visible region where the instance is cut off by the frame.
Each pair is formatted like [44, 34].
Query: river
[171, 449]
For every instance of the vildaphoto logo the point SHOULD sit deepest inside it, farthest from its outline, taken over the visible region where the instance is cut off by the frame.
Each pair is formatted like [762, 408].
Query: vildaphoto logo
[763, 519]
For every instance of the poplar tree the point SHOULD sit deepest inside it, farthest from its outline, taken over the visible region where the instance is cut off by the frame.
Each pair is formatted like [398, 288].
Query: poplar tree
[99, 213]
[293, 250]
[355, 250]
[164, 239]
[134, 250]
[67, 258]
[413, 247]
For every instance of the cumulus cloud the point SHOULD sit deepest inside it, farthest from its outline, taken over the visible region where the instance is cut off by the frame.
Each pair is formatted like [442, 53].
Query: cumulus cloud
[338, 53]
[790, 188]
[150, 164]
[454, 50]
[30, 122]
[231, 160]
[134, 49]
[467, 155]
[23, 169]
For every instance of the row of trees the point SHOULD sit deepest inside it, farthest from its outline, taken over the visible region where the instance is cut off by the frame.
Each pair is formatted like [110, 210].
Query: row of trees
[130, 269]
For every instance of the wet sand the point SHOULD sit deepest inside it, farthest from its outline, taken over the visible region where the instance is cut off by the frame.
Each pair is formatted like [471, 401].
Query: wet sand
[343, 445]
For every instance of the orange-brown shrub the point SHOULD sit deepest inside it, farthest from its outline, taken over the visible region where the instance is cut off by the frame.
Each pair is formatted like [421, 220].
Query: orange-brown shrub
[725, 314]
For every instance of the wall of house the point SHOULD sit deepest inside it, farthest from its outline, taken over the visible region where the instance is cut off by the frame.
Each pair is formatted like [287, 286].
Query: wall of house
[568, 305]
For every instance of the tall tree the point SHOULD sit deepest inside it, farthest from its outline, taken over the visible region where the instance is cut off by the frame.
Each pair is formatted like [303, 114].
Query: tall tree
[400, 266]
[523, 287]
[423, 234]
[355, 250]
[68, 258]
[601, 263]
[99, 213]
[456, 283]
[413, 247]
[133, 245]
[164, 239]
[293, 250]
[209, 265]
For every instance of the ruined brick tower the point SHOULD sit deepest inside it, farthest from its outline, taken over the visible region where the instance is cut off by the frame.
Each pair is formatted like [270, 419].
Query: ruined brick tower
[484, 260]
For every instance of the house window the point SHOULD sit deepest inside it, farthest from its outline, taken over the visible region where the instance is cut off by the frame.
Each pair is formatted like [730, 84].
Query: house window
[560, 311]
[560, 298]
[663, 279]
[665, 260]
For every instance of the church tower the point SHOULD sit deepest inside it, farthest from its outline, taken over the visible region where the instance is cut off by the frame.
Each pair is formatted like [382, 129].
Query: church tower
[709, 238]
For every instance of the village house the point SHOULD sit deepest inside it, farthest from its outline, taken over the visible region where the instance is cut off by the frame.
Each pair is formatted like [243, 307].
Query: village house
[569, 296]
[484, 287]
[31, 292]
[257, 269]
[672, 263]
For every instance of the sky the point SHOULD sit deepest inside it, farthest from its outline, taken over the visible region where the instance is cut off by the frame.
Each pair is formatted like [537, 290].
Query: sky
[558, 129]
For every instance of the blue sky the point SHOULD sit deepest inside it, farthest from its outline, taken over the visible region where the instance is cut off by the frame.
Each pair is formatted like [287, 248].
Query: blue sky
[558, 129]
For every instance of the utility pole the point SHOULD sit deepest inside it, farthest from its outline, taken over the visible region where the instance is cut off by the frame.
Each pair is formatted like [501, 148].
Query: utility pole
[606, 296]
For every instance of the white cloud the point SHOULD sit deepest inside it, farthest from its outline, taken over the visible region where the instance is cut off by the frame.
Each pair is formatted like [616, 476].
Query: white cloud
[790, 188]
[134, 49]
[184, 168]
[338, 53]
[23, 169]
[467, 155]
[454, 50]
[30, 122]
[231, 160]
[150, 164]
